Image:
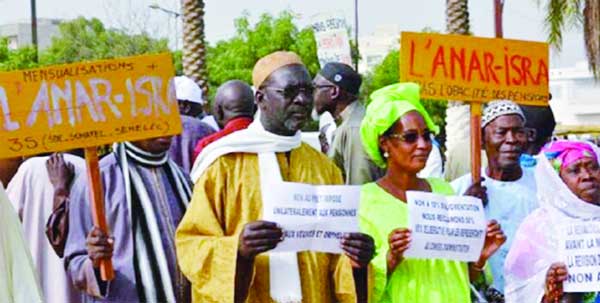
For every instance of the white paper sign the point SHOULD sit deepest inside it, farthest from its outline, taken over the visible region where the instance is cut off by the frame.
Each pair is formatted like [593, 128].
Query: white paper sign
[313, 217]
[579, 248]
[445, 227]
[331, 34]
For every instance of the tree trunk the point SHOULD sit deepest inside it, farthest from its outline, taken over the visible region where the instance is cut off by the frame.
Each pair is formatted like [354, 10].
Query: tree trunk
[458, 114]
[591, 34]
[194, 46]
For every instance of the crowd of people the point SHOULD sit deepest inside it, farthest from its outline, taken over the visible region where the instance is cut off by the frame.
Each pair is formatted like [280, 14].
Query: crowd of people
[184, 213]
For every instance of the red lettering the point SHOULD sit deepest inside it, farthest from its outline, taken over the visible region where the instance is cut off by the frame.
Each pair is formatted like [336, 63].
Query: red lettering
[475, 65]
[516, 67]
[542, 72]
[457, 59]
[439, 60]
[412, 60]
[506, 69]
[526, 65]
[488, 59]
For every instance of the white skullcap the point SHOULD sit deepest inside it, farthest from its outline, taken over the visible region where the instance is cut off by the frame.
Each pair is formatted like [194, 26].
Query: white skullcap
[186, 89]
[499, 108]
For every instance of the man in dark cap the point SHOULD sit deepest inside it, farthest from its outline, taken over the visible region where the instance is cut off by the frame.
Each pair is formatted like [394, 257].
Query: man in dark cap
[540, 124]
[336, 92]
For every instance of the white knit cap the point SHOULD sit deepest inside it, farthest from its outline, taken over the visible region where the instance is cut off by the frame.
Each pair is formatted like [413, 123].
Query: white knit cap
[499, 108]
[186, 89]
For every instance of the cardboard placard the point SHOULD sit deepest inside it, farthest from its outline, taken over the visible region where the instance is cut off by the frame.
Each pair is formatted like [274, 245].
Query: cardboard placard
[466, 68]
[331, 34]
[79, 105]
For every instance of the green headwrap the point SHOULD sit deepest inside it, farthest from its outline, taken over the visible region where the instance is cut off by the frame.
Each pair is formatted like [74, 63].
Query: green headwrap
[387, 105]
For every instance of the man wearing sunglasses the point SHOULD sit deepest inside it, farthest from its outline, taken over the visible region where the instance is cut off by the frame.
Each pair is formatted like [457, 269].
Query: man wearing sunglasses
[509, 187]
[223, 245]
[336, 90]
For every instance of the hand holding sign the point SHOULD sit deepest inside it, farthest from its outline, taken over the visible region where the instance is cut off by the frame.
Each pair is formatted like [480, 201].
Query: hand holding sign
[494, 238]
[553, 290]
[259, 237]
[478, 191]
[399, 241]
[359, 247]
[99, 246]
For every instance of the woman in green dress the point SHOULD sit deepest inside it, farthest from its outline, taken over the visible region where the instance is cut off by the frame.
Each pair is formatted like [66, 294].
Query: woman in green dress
[396, 133]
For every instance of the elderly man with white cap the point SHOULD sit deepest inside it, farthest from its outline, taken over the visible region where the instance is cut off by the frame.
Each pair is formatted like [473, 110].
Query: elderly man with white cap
[189, 97]
[510, 188]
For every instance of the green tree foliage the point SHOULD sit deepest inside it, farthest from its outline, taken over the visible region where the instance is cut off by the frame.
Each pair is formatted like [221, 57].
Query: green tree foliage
[234, 58]
[88, 39]
[21, 58]
[386, 73]
[82, 40]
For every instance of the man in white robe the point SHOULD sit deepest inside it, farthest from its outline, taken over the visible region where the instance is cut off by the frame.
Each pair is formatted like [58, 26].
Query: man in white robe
[18, 283]
[32, 195]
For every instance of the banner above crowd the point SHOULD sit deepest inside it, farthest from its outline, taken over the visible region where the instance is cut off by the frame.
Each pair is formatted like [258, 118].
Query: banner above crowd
[456, 67]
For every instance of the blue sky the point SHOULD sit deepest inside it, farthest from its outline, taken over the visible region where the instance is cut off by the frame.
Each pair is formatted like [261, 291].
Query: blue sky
[523, 19]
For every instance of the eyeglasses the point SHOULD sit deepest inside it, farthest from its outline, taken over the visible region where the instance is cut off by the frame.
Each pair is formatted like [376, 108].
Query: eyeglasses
[412, 137]
[320, 86]
[290, 92]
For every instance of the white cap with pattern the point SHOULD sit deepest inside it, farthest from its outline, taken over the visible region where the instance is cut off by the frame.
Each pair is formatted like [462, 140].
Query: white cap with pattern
[499, 108]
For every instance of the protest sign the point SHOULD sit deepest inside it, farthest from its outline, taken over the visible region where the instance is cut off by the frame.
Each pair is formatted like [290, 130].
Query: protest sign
[445, 227]
[87, 104]
[313, 217]
[580, 250]
[331, 34]
[84, 105]
[476, 70]
[468, 68]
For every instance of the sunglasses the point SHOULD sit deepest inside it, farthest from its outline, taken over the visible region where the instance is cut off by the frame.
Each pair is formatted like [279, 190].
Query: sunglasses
[290, 92]
[412, 137]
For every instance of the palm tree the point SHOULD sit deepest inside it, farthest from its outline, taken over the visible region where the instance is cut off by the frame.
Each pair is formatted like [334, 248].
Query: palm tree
[194, 46]
[457, 114]
[562, 14]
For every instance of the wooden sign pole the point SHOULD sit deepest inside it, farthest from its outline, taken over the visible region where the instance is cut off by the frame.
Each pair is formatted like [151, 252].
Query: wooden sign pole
[476, 109]
[97, 198]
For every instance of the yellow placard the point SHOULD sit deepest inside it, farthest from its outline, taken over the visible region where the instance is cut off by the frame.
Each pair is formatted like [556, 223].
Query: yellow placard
[87, 104]
[456, 67]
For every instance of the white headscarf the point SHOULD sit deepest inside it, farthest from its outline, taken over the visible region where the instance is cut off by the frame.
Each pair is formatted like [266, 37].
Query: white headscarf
[535, 247]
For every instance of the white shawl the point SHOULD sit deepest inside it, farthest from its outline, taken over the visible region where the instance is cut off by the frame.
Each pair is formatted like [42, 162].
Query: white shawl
[284, 279]
[535, 246]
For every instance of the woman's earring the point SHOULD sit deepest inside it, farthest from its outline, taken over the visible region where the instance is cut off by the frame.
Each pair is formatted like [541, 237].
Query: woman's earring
[386, 155]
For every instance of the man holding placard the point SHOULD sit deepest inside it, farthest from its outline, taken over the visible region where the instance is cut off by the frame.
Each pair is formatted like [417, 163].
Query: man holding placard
[221, 241]
[510, 188]
[90, 104]
[145, 195]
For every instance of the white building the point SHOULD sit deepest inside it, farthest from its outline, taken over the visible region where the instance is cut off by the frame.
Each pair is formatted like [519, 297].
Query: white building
[575, 96]
[374, 47]
[19, 34]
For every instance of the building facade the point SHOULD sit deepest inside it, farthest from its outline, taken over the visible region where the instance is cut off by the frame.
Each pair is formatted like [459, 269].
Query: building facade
[19, 33]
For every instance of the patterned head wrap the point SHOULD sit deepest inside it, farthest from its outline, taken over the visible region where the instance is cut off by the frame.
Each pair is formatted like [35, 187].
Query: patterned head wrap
[499, 108]
[563, 153]
[387, 105]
